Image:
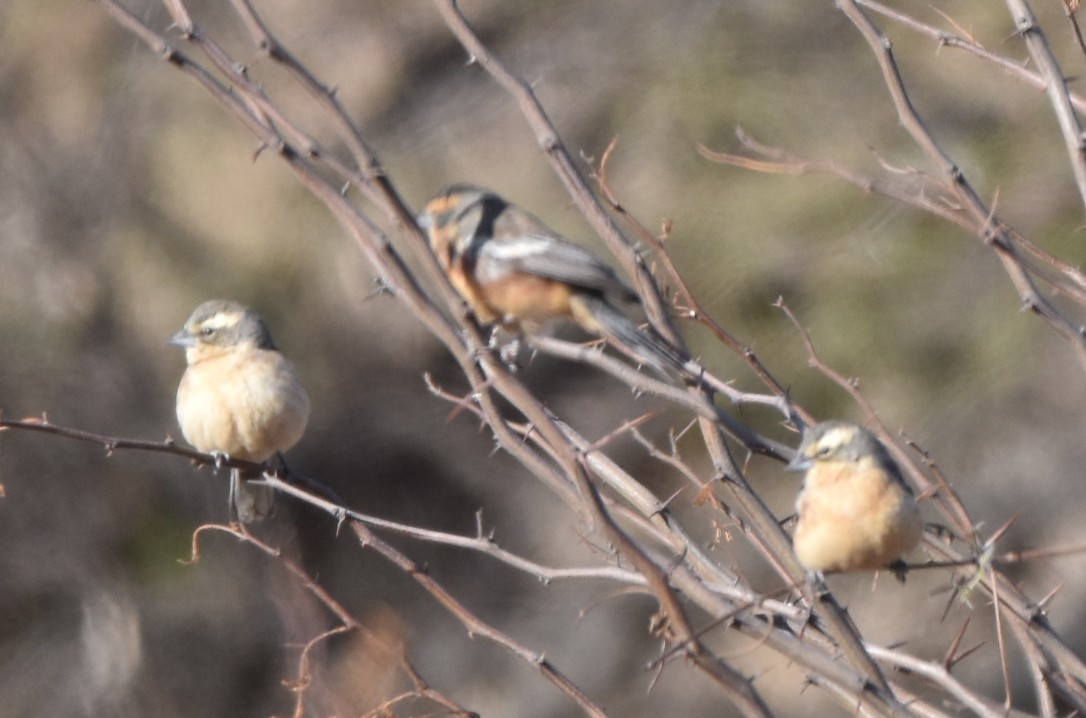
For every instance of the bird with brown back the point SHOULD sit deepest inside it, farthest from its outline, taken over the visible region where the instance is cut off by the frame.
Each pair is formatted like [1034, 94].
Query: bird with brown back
[514, 271]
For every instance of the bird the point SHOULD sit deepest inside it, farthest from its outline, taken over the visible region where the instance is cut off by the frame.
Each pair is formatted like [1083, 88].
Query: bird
[515, 272]
[239, 397]
[855, 511]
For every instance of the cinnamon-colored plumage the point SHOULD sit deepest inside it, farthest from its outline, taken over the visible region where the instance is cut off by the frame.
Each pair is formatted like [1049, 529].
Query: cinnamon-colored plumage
[239, 396]
[514, 271]
[855, 511]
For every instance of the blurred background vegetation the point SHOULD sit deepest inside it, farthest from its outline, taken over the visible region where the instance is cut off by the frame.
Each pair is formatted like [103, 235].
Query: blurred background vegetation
[127, 197]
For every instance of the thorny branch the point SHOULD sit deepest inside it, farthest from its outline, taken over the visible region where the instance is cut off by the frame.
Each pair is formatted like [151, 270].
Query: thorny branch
[347, 622]
[687, 582]
[723, 585]
[967, 207]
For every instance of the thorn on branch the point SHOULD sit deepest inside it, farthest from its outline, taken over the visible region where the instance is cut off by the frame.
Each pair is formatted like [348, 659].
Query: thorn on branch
[172, 56]
[662, 506]
[1025, 25]
[1039, 607]
[965, 654]
[380, 288]
[549, 142]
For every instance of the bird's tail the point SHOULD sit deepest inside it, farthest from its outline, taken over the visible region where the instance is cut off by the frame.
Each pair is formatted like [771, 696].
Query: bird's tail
[249, 502]
[645, 344]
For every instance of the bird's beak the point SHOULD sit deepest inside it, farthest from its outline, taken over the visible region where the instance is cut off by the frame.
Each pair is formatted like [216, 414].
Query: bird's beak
[424, 221]
[183, 339]
[799, 462]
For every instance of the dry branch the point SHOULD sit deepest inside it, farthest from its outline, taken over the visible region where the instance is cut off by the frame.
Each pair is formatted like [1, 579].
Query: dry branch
[641, 542]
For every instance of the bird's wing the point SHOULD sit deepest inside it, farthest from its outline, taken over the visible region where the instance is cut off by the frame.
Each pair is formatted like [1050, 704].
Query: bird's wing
[554, 258]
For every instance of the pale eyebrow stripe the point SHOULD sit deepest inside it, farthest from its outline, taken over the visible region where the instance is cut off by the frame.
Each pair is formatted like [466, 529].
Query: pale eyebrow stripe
[837, 437]
[221, 320]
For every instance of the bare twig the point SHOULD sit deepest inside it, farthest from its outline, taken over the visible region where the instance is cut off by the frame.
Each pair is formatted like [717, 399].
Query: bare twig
[474, 625]
[680, 574]
[687, 304]
[940, 675]
[1058, 94]
[347, 622]
[987, 227]
[970, 45]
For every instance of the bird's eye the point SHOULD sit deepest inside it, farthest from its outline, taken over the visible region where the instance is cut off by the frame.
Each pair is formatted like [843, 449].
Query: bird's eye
[823, 451]
[207, 331]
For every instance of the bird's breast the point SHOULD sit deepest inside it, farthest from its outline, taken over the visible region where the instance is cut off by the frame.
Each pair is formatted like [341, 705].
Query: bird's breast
[247, 404]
